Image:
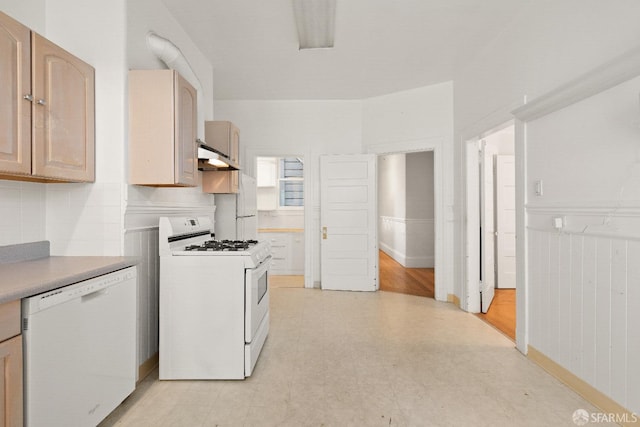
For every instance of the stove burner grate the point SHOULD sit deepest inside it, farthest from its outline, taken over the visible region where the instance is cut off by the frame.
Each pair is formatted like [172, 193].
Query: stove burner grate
[222, 245]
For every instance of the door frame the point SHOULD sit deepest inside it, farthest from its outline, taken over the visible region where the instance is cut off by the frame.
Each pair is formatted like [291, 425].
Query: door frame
[437, 147]
[499, 119]
[250, 168]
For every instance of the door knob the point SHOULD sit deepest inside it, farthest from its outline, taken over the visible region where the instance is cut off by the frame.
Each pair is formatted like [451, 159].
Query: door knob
[324, 233]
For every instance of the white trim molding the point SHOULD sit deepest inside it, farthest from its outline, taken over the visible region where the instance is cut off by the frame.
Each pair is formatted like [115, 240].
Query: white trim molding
[608, 75]
[599, 208]
[406, 146]
[442, 227]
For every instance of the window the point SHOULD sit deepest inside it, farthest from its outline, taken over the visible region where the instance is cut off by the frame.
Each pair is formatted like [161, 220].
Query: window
[291, 182]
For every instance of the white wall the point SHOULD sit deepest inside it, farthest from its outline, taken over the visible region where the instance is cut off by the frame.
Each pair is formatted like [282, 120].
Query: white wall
[306, 128]
[420, 120]
[420, 209]
[90, 219]
[502, 141]
[392, 205]
[74, 214]
[582, 283]
[548, 45]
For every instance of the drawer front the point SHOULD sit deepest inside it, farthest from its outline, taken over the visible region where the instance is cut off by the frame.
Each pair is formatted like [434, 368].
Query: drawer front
[278, 239]
[9, 319]
[278, 252]
[277, 265]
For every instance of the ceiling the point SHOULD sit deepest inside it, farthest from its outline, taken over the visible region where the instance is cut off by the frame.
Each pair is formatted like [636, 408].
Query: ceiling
[381, 46]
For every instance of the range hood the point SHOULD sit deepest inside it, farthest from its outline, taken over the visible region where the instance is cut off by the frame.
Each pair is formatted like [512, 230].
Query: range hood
[210, 159]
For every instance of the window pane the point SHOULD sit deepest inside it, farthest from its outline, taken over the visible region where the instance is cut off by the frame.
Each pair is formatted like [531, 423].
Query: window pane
[291, 167]
[291, 193]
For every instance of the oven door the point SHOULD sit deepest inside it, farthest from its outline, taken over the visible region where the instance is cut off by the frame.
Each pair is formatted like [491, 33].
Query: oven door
[256, 298]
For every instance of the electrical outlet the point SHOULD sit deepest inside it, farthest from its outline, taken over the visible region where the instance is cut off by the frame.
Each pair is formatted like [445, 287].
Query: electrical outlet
[558, 222]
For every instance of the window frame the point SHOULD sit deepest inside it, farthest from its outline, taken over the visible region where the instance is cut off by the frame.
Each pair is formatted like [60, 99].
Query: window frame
[290, 179]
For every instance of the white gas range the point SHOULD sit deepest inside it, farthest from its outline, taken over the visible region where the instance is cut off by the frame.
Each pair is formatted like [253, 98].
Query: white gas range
[214, 302]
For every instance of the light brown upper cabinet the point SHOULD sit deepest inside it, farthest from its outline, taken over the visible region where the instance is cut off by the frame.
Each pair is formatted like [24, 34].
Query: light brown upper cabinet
[47, 99]
[162, 129]
[223, 136]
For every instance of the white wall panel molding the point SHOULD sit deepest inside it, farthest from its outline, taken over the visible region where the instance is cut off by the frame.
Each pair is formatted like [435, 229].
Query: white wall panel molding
[599, 208]
[608, 75]
[407, 220]
[595, 232]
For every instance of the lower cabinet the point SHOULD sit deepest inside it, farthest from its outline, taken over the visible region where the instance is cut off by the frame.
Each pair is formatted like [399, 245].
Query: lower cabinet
[287, 252]
[10, 365]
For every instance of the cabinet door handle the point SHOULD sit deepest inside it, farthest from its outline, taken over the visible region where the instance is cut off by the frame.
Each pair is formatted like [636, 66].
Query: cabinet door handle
[28, 97]
[42, 102]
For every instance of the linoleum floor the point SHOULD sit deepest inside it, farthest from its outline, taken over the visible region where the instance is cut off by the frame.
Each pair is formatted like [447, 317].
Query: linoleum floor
[365, 359]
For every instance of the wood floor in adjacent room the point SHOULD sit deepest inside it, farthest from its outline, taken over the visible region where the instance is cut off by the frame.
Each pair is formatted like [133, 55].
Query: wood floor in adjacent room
[411, 281]
[502, 312]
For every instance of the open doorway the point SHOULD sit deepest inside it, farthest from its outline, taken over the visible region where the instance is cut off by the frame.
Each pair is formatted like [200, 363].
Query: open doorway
[280, 203]
[406, 225]
[492, 200]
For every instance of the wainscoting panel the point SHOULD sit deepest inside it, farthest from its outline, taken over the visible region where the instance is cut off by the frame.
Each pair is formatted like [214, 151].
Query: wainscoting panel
[143, 243]
[411, 242]
[584, 295]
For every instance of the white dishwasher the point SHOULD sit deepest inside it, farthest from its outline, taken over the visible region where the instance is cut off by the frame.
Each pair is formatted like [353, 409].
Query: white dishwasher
[79, 350]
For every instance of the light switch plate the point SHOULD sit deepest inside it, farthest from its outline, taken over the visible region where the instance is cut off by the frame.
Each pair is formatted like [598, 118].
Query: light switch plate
[539, 188]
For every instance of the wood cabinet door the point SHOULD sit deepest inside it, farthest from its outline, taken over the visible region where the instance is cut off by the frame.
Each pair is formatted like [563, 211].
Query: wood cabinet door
[63, 114]
[185, 137]
[15, 109]
[11, 413]
[234, 144]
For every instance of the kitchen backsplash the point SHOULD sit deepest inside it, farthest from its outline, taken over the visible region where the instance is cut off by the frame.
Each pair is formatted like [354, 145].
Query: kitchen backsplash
[23, 212]
[84, 219]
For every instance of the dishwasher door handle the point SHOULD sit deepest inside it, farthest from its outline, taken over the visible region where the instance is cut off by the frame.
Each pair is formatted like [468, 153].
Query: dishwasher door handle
[94, 295]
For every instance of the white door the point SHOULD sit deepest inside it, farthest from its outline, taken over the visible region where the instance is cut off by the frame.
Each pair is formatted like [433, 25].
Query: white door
[487, 260]
[506, 221]
[349, 243]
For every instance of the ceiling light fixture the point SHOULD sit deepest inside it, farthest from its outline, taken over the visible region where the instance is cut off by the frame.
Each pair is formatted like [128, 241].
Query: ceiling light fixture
[315, 20]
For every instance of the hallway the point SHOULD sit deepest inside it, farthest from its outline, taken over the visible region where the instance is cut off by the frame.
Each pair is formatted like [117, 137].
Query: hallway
[411, 281]
[366, 359]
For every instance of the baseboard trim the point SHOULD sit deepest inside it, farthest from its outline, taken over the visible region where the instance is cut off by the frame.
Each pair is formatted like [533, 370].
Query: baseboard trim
[587, 391]
[393, 253]
[453, 298]
[147, 367]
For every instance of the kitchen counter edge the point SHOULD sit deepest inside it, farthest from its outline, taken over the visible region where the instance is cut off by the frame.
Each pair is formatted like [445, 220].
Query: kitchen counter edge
[23, 279]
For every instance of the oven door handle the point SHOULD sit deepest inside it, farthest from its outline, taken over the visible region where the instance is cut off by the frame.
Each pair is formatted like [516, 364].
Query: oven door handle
[262, 267]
